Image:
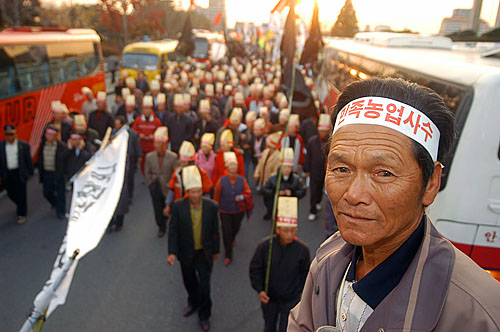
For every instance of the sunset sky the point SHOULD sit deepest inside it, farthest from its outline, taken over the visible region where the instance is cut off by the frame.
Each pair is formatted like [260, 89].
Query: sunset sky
[424, 15]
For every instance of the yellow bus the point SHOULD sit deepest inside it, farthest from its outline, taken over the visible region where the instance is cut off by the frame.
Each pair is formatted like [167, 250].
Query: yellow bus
[150, 57]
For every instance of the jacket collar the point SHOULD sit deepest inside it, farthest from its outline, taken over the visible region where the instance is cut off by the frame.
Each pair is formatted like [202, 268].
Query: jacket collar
[426, 281]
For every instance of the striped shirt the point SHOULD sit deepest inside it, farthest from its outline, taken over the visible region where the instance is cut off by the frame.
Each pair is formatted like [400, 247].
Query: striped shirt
[49, 157]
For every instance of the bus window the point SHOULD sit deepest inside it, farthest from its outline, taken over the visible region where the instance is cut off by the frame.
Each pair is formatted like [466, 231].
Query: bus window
[31, 65]
[140, 61]
[8, 80]
[201, 48]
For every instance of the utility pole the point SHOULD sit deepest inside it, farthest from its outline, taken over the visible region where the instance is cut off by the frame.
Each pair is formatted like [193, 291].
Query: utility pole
[124, 22]
[476, 15]
[497, 22]
[17, 14]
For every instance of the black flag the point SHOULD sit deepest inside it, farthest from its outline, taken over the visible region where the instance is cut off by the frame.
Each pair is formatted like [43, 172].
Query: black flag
[287, 46]
[186, 41]
[314, 41]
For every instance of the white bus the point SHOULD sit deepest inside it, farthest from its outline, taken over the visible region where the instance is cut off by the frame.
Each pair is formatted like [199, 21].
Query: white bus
[467, 209]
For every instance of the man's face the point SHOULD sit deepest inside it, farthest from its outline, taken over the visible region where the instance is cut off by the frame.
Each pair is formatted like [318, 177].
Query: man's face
[374, 184]
[118, 124]
[129, 108]
[50, 137]
[101, 104]
[323, 134]
[286, 234]
[286, 170]
[159, 145]
[147, 111]
[179, 108]
[11, 135]
[58, 115]
[225, 147]
[257, 131]
[292, 130]
[232, 168]
[194, 195]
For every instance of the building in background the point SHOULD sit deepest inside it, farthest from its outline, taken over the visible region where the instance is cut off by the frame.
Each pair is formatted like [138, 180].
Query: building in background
[460, 21]
[215, 8]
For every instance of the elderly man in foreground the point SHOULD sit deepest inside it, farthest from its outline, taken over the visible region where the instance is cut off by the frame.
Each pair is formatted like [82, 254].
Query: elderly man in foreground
[388, 269]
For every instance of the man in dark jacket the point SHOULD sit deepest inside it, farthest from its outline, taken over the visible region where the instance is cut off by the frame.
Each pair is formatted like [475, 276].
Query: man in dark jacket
[290, 184]
[290, 260]
[194, 240]
[180, 126]
[51, 170]
[15, 168]
[314, 163]
[134, 152]
[76, 155]
[100, 119]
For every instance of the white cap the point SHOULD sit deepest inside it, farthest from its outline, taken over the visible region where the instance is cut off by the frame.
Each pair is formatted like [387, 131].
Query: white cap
[125, 92]
[204, 106]
[178, 99]
[161, 98]
[260, 123]
[130, 100]
[147, 101]
[209, 90]
[186, 151]
[324, 122]
[208, 139]
[250, 116]
[238, 98]
[191, 177]
[226, 138]
[236, 115]
[86, 90]
[154, 85]
[288, 158]
[263, 112]
[274, 139]
[230, 157]
[101, 96]
[161, 134]
[288, 212]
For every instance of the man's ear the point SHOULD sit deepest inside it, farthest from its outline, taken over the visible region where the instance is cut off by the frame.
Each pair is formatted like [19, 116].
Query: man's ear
[433, 185]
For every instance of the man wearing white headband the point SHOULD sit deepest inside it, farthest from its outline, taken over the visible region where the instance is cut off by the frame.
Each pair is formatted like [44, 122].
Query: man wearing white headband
[193, 239]
[89, 105]
[290, 259]
[388, 269]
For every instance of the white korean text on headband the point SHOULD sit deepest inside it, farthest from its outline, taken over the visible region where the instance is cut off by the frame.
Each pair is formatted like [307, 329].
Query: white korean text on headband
[392, 114]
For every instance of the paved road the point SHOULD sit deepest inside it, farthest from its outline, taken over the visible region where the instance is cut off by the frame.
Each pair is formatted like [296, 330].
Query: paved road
[125, 283]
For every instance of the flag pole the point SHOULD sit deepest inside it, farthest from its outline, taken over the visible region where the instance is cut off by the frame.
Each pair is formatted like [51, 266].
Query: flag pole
[37, 317]
[276, 193]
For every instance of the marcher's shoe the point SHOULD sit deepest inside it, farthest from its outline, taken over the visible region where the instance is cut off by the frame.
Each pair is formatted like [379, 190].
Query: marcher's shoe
[21, 220]
[227, 261]
[311, 217]
[205, 325]
[118, 227]
[267, 217]
[318, 207]
[161, 233]
[189, 310]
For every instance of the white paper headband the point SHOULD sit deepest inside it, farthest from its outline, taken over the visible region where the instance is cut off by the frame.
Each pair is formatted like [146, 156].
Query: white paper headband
[392, 114]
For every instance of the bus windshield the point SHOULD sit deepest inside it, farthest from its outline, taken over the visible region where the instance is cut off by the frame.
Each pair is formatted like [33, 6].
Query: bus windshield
[201, 48]
[140, 61]
[27, 67]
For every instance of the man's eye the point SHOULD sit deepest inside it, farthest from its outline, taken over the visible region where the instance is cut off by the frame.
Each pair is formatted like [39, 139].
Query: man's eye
[384, 173]
[341, 169]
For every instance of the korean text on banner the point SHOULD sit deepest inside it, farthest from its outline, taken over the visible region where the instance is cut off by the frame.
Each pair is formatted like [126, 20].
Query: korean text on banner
[96, 192]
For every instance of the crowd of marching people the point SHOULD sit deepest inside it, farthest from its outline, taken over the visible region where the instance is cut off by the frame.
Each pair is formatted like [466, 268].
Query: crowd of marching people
[207, 139]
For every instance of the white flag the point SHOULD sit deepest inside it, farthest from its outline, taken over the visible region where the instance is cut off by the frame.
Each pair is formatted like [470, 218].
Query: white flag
[96, 192]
